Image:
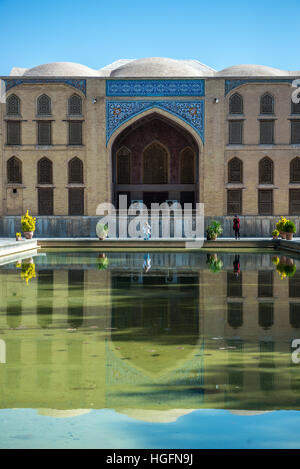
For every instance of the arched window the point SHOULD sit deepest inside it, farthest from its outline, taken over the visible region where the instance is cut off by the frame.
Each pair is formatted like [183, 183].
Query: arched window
[75, 105]
[45, 171]
[155, 164]
[295, 107]
[236, 104]
[75, 168]
[187, 166]
[267, 104]
[235, 170]
[13, 105]
[14, 171]
[43, 105]
[295, 170]
[266, 171]
[123, 166]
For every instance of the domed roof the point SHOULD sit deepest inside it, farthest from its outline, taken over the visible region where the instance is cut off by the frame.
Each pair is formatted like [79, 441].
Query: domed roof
[251, 70]
[60, 69]
[161, 67]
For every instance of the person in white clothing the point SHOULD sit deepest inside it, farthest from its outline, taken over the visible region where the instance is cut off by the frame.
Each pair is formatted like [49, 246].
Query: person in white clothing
[147, 231]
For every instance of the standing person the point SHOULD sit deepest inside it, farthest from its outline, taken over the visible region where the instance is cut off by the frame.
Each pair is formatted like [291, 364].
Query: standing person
[147, 231]
[236, 265]
[147, 263]
[236, 226]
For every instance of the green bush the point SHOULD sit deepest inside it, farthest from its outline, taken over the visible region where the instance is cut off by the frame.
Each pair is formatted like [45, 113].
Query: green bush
[289, 227]
[214, 229]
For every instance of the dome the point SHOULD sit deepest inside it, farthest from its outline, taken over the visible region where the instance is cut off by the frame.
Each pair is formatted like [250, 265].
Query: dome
[61, 69]
[251, 70]
[161, 67]
[106, 71]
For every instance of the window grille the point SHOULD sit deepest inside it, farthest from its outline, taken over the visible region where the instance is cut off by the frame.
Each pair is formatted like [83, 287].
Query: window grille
[45, 201]
[14, 171]
[44, 133]
[266, 132]
[43, 105]
[13, 132]
[75, 171]
[75, 105]
[75, 133]
[45, 173]
[76, 201]
[13, 105]
[235, 170]
[236, 104]
[267, 104]
[187, 166]
[234, 201]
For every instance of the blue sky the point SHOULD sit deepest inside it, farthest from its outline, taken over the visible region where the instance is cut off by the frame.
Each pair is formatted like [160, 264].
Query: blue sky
[97, 32]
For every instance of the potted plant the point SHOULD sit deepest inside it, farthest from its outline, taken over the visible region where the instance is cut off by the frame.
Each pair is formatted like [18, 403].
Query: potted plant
[102, 230]
[289, 229]
[286, 270]
[28, 225]
[215, 264]
[275, 260]
[27, 269]
[214, 230]
[275, 234]
[280, 227]
[103, 262]
[18, 237]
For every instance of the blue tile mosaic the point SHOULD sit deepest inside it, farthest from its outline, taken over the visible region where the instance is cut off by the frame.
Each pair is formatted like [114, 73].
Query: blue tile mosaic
[118, 112]
[155, 88]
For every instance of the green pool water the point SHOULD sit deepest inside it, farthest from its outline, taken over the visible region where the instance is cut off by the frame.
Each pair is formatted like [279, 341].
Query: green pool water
[160, 349]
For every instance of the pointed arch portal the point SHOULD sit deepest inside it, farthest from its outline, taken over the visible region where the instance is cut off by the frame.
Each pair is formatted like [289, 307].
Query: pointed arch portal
[156, 145]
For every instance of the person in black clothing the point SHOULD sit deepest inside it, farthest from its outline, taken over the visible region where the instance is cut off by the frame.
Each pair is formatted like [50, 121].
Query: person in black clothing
[236, 226]
[236, 265]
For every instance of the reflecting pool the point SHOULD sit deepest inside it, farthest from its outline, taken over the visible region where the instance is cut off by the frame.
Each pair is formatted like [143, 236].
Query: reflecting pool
[150, 350]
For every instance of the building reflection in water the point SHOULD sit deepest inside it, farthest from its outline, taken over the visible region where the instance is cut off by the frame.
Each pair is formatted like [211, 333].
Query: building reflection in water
[181, 335]
[45, 298]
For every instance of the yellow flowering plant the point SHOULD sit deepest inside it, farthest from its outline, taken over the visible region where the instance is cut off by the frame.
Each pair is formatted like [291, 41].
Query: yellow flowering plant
[285, 270]
[28, 223]
[27, 271]
[275, 260]
[280, 224]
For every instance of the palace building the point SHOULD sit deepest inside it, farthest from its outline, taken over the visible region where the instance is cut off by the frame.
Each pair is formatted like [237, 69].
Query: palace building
[155, 129]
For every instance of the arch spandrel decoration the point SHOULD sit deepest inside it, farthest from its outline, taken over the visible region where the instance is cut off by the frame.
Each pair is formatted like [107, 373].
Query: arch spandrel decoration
[119, 112]
[77, 84]
[231, 84]
[120, 372]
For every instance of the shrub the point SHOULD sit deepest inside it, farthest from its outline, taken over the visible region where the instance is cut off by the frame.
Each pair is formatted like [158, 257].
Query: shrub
[281, 224]
[27, 271]
[275, 233]
[214, 229]
[101, 230]
[103, 263]
[289, 227]
[286, 270]
[28, 222]
[216, 265]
